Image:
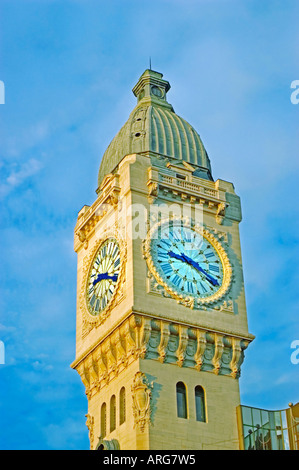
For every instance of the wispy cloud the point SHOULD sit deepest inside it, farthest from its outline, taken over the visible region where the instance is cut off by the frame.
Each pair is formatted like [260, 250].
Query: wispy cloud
[17, 174]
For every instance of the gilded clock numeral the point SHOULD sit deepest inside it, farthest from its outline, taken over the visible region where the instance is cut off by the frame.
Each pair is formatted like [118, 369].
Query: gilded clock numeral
[115, 252]
[91, 290]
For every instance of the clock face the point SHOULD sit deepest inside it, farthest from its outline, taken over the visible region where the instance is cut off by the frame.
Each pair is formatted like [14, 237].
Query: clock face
[188, 262]
[103, 276]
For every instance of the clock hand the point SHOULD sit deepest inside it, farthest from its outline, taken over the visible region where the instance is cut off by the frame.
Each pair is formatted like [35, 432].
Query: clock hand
[195, 265]
[174, 255]
[105, 276]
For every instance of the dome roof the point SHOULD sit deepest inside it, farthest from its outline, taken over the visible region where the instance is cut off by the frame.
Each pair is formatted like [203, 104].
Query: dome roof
[154, 128]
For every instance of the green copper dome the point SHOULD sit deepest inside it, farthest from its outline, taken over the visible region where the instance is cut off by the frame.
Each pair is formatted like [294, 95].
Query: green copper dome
[153, 128]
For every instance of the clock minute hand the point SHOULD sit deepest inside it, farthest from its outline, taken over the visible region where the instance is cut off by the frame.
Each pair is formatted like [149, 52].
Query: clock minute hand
[195, 265]
[176, 256]
[105, 276]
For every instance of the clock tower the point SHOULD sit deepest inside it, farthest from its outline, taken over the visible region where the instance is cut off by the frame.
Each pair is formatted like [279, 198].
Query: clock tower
[161, 314]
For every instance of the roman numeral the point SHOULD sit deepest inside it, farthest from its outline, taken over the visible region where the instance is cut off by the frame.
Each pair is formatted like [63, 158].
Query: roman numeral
[187, 237]
[166, 268]
[190, 287]
[104, 302]
[203, 287]
[162, 255]
[214, 268]
[177, 280]
[115, 252]
[166, 242]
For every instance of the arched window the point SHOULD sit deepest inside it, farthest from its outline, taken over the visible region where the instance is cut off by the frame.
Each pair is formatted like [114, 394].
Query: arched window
[181, 400]
[103, 420]
[112, 413]
[200, 404]
[122, 405]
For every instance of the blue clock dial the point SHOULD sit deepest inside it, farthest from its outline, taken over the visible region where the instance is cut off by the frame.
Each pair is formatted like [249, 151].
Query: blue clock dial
[103, 276]
[187, 261]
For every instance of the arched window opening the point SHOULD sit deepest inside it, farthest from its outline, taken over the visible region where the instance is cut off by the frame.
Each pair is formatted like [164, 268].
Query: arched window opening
[122, 405]
[200, 404]
[103, 420]
[181, 399]
[112, 413]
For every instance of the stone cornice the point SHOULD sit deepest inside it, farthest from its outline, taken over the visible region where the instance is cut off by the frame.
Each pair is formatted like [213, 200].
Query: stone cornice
[89, 216]
[144, 337]
[193, 190]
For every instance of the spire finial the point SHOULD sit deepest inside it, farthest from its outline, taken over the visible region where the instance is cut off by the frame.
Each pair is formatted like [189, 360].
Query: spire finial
[150, 63]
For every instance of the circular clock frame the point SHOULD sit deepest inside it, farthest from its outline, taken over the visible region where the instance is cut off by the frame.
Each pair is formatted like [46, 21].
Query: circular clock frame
[89, 317]
[92, 266]
[188, 299]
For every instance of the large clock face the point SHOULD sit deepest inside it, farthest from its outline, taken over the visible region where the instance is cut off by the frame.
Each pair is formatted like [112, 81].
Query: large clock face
[103, 276]
[188, 262]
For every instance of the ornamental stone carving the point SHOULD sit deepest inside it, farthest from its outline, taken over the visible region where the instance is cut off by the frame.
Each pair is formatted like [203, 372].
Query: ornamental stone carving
[141, 394]
[90, 425]
[140, 337]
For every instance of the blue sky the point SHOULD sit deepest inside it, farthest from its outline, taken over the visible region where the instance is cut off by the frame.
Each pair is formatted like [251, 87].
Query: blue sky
[68, 68]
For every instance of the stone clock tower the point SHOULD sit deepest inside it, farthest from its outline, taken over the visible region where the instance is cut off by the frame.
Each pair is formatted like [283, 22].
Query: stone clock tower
[161, 314]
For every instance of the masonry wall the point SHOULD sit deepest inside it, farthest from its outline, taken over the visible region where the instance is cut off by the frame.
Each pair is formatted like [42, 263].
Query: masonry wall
[167, 431]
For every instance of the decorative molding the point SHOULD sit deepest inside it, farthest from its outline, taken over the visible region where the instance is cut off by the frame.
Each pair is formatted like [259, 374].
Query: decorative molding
[90, 425]
[219, 348]
[140, 337]
[141, 397]
[238, 347]
[201, 347]
[89, 217]
[164, 335]
[183, 341]
[193, 190]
